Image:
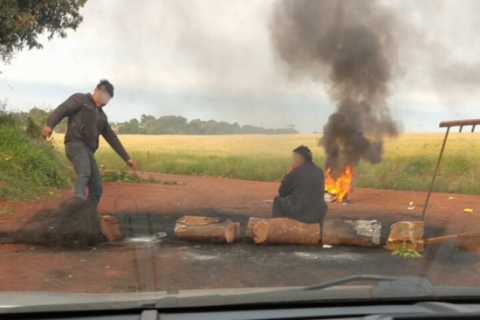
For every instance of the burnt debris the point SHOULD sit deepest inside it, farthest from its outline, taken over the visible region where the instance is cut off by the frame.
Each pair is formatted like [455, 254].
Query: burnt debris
[74, 224]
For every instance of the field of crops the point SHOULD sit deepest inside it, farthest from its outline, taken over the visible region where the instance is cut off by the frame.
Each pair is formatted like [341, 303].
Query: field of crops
[408, 160]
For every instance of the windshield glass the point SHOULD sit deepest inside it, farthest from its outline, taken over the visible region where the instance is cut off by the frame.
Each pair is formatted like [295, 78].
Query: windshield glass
[236, 146]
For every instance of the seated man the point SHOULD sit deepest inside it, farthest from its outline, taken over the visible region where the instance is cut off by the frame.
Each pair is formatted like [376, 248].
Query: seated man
[302, 190]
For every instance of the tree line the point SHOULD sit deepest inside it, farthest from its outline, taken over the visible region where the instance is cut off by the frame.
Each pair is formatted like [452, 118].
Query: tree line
[148, 124]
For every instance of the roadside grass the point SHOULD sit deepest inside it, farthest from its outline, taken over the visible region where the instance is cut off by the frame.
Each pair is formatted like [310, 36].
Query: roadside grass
[132, 177]
[6, 211]
[29, 168]
[408, 163]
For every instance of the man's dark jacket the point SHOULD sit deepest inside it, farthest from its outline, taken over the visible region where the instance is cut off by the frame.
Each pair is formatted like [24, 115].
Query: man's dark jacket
[85, 123]
[304, 189]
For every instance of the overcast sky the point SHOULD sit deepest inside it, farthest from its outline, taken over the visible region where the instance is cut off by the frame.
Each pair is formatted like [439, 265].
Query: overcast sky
[214, 60]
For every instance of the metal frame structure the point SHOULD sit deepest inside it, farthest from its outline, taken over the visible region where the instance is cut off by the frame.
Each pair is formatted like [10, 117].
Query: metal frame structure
[448, 125]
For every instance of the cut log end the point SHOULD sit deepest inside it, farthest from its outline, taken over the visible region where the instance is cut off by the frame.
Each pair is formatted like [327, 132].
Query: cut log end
[251, 223]
[260, 231]
[110, 228]
[407, 231]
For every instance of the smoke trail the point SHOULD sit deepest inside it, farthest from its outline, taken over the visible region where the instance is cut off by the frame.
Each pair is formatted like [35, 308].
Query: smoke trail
[349, 46]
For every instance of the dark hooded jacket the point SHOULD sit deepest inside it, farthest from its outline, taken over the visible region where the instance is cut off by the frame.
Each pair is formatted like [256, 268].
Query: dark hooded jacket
[86, 123]
[304, 190]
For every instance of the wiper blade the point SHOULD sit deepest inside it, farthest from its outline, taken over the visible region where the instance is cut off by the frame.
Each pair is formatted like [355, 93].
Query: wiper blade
[360, 277]
[386, 287]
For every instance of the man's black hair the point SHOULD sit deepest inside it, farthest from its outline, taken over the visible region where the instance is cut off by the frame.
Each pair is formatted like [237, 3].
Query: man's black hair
[305, 152]
[106, 85]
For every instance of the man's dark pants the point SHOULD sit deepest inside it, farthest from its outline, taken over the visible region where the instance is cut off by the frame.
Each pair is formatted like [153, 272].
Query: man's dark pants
[86, 170]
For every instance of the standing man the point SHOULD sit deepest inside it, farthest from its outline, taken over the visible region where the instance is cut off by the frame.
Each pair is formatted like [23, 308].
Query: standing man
[301, 194]
[86, 121]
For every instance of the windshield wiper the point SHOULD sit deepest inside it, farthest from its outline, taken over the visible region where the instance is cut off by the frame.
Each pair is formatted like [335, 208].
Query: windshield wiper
[386, 287]
[336, 282]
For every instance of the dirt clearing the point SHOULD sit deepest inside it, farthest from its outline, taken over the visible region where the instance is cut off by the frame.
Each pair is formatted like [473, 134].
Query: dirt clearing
[144, 263]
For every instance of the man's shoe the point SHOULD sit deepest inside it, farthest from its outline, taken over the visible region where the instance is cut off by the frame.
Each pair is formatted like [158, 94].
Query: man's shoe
[80, 197]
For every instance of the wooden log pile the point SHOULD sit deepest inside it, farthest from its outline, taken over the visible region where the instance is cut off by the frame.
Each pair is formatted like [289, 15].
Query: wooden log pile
[206, 229]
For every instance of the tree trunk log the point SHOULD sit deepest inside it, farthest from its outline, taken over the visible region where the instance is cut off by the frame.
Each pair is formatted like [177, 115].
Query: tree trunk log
[110, 228]
[407, 231]
[251, 222]
[365, 233]
[284, 230]
[197, 221]
[205, 229]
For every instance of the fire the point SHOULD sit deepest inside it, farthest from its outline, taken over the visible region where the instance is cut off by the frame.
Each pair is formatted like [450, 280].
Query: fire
[341, 185]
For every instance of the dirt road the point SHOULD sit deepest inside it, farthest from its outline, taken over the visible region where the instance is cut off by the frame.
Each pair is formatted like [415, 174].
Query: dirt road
[143, 263]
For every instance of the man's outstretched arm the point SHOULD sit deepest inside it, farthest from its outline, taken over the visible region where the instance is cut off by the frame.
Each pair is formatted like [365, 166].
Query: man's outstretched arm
[66, 109]
[112, 139]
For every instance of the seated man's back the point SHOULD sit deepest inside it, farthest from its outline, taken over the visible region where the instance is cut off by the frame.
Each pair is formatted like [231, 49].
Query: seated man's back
[301, 194]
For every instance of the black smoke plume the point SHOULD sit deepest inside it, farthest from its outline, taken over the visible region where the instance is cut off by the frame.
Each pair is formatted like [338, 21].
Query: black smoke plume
[349, 46]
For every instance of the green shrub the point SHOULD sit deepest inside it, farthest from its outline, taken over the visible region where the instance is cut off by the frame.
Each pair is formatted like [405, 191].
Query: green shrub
[28, 167]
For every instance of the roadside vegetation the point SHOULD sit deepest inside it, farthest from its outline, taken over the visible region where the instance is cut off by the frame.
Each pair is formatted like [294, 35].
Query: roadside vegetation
[408, 160]
[29, 166]
[125, 176]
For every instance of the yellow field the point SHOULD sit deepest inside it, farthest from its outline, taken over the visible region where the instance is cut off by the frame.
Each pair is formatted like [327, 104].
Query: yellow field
[412, 144]
[408, 160]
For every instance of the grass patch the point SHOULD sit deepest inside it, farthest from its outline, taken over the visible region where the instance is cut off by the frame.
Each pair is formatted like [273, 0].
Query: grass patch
[404, 252]
[6, 211]
[29, 168]
[408, 163]
[124, 176]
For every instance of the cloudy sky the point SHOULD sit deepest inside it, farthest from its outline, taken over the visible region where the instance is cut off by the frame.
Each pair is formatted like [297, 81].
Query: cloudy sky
[214, 60]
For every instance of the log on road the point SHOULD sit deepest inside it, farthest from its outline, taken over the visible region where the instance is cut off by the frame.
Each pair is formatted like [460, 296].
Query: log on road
[205, 229]
[407, 231]
[197, 220]
[365, 233]
[110, 228]
[284, 230]
[251, 222]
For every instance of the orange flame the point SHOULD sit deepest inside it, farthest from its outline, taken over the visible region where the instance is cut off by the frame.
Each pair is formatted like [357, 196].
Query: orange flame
[341, 185]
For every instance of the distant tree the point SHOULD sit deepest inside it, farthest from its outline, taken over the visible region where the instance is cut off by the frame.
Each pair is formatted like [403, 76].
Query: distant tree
[172, 125]
[179, 125]
[21, 21]
[39, 116]
[144, 119]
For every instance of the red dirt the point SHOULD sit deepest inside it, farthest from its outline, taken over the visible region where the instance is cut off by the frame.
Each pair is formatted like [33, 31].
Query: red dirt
[158, 266]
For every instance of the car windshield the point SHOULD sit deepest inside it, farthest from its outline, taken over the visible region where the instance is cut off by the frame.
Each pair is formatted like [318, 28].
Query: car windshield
[190, 147]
